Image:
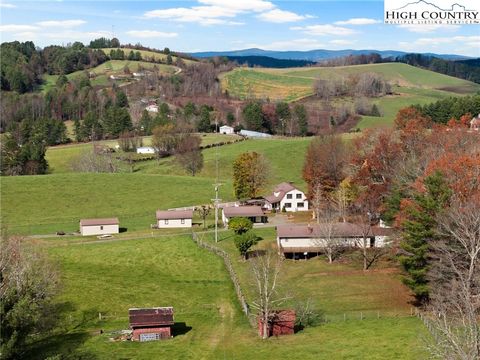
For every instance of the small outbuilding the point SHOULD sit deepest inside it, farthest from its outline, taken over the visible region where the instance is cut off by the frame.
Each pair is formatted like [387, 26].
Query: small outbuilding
[89, 227]
[150, 324]
[254, 213]
[145, 150]
[225, 129]
[281, 323]
[174, 219]
[254, 134]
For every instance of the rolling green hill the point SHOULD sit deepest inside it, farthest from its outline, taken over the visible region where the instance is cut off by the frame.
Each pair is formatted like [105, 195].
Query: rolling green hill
[111, 67]
[411, 85]
[149, 54]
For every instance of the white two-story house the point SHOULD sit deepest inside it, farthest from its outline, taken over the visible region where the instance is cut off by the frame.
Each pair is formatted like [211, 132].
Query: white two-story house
[288, 197]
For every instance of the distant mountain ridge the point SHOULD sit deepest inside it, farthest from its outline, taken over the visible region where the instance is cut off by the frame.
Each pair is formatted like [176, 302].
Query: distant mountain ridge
[316, 55]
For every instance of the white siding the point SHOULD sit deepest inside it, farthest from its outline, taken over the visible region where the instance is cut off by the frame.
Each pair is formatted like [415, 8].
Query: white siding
[380, 241]
[174, 223]
[294, 201]
[98, 230]
[226, 130]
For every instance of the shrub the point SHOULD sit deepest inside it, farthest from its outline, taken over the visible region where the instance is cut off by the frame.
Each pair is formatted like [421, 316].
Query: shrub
[240, 225]
[245, 241]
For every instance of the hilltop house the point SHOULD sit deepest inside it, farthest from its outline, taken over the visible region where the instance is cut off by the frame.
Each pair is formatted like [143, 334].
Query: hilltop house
[90, 227]
[288, 197]
[150, 324]
[225, 129]
[145, 150]
[475, 123]
[304, 240]
[254, 213]
[174, 219]
[152, 108]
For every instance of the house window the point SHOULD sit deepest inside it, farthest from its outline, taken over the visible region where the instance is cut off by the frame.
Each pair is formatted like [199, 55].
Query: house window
[299, 196]
[300, 205]
[289, 196]
[182, 221]
[101, 227]
[166, 222]
[288, 205]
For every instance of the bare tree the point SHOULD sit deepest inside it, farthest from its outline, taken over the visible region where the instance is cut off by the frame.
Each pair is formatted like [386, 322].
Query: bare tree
[327, 221]
[455, 284]
[265, 271]
[203, 211]
[188, 153]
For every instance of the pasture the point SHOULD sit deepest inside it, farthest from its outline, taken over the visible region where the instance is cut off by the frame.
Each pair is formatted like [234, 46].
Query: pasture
[411, 85]
[103, 71]
[108, 278]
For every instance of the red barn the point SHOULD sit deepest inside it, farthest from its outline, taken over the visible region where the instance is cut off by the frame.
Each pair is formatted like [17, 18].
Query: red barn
[150, 324]
[282, 323]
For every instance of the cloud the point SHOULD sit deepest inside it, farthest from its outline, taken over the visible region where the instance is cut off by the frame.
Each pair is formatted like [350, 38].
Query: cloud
[469, 44]
[358, 21]
[7, 5]
[72, 35]
[296, 44]
[61, 23]
[222, 12]
[325, 29]
[145, 34]
[280, 16]
[428, 28]
[17, 28]
[341, 42]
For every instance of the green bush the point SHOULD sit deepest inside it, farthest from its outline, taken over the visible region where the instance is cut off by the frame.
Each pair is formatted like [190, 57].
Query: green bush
[240, 225]
[245, 241]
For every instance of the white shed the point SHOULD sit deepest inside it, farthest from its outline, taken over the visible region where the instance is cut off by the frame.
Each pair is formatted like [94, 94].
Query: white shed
[152, 108]
[225, 129]
[90, 227]
[146, 150]
[174, 219]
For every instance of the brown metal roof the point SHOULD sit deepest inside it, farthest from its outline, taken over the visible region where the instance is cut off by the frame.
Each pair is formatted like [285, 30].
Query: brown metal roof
[282, 189]
[341, 229]
[150, 317]
[174, 214]
[238, 211]
[94, 222]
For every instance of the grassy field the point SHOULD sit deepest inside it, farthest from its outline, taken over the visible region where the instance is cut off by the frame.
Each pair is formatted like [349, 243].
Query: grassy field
[103, 72]
[410, 84]
[109, 278]
[147, 54]
[60, 157]
[45, 204]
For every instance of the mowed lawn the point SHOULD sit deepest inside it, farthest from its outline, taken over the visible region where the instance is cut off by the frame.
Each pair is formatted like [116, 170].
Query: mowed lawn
[49, 203]
[109, 278]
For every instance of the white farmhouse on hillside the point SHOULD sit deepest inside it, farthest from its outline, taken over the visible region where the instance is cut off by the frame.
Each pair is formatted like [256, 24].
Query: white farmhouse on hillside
[99, 226]
[145, 150]
[174, 219]
[303, 240]
[288, 197]
[152, 108]
[225, 129]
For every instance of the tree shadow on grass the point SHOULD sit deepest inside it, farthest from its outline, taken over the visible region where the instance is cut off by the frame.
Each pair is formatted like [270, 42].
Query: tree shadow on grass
[122, 229]
[180, 328]
[66, 338]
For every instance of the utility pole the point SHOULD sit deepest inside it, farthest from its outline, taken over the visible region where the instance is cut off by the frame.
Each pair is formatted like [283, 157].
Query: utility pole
[216, 201]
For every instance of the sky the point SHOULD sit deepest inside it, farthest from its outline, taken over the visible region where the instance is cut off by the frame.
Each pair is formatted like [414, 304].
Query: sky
[219, 25]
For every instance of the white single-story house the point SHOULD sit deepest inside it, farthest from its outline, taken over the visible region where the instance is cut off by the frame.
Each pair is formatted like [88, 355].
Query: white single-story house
[146, 150]
[288, 197]
[152, 108]
[225, 129]
[254, 134]
[174, 219]
[254, 213]
[90, 227]
[305, 239]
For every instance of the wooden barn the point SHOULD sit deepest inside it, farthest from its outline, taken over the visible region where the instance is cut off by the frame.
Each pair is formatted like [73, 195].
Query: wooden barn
[282, 323]
[150, 324]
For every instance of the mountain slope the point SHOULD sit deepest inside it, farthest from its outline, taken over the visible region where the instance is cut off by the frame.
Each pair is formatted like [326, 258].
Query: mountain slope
[314, 55]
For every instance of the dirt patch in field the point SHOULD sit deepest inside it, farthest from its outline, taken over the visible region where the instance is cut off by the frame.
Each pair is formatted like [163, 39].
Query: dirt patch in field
[464, 89]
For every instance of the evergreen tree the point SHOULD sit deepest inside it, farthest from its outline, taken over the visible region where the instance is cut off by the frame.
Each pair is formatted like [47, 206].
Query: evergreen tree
[253, 116]
[204, 123]
[146, 123]
[121, 99]
[302, 119]
[418, 230]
